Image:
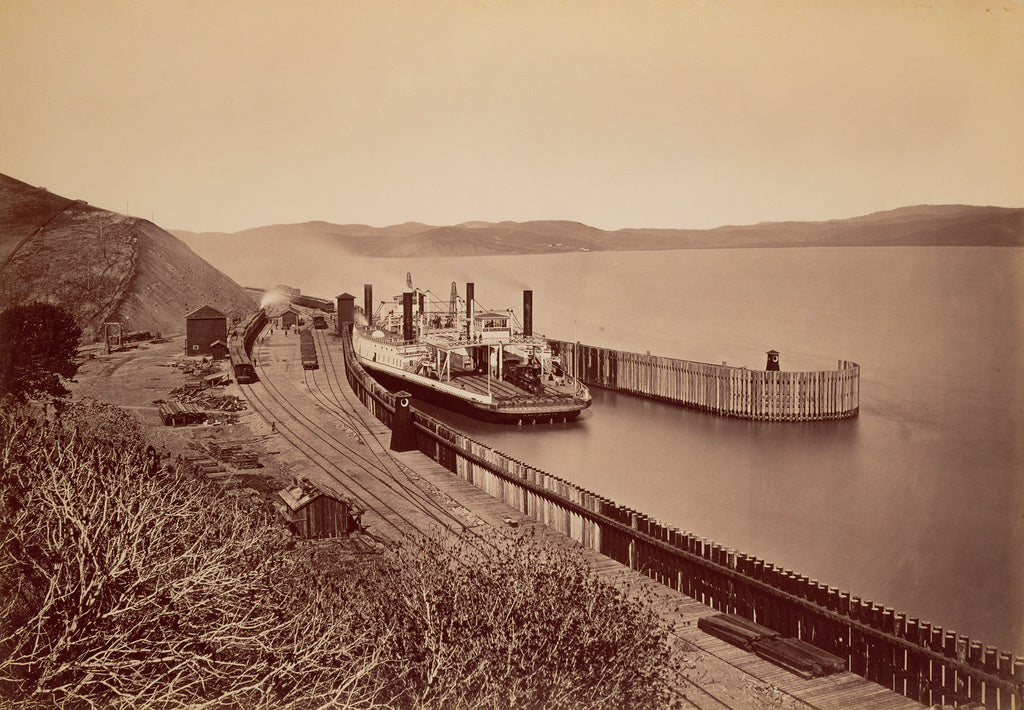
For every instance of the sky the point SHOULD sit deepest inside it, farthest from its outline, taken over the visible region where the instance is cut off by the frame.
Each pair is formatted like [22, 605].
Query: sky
[221, 116]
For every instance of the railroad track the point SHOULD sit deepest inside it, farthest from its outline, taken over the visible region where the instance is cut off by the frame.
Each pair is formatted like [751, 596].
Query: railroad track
[360, 464]
[347, 463]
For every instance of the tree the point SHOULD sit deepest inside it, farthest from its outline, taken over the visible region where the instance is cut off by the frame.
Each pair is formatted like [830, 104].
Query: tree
[38, 347]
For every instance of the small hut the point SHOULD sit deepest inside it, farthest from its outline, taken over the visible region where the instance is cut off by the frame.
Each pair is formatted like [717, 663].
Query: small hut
[313, 513]
[219, 350]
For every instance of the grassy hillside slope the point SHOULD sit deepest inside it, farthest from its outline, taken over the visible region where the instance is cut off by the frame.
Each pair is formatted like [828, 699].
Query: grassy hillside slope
[102, 266]
[925, 225]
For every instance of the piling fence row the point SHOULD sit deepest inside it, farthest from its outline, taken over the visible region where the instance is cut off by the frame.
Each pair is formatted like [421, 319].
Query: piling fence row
[719, 389]
[905, 654]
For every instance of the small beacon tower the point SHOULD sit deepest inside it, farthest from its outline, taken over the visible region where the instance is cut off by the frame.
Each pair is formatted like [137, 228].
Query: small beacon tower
[773, 361]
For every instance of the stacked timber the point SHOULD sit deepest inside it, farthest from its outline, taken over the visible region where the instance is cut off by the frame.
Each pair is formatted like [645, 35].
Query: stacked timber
[203, 465]
[233, 452]
[181, 414]
[737, 630]
[798, 657]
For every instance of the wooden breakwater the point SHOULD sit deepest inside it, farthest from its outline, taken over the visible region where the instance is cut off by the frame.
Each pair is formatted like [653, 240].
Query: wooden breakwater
[718, 389]
[910, 656]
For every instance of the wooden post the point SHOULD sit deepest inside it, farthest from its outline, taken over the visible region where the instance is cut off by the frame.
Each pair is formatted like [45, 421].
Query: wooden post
[403, 434]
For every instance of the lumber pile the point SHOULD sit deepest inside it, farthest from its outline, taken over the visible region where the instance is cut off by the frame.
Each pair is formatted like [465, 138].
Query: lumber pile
[199, 395]
[181, 414]
[233, 452]
[799, 657]
[737, 630]
[203, 465]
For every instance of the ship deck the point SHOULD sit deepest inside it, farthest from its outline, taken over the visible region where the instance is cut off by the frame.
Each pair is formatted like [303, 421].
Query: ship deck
[505, 391]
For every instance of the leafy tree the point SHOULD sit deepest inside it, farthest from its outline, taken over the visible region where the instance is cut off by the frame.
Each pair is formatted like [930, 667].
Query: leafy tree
[38, 346]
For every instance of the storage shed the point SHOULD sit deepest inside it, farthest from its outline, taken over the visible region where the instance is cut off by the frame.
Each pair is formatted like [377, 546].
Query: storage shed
[289, 319]
[313, 513]
[219, 350]
[203, 328]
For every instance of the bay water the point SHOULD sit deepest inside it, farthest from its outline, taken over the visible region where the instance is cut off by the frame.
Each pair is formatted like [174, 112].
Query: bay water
[918, 503]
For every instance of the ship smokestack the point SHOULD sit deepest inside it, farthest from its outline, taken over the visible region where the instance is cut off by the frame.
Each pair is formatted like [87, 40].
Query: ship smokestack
[368, 304]
[527, 313]
[469, 310]
[407, 333]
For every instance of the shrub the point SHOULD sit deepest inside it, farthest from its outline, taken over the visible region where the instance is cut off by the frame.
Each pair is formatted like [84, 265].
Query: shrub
[509, 622]
[122, 588]
[119, 587]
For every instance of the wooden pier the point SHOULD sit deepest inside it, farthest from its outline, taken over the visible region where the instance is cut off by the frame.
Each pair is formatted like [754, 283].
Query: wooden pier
[718, 389]
[903, 655]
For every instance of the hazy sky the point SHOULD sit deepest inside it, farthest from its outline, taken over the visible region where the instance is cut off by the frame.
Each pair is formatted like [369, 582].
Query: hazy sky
[618, 113]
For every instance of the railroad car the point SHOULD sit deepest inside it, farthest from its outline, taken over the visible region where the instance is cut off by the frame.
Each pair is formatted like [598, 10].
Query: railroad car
[241, 347]
[242, 366]
[319, 322]
[307, 349]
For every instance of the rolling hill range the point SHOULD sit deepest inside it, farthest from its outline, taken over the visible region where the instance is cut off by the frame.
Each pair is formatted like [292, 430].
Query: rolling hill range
[944, 225]
[102, 266]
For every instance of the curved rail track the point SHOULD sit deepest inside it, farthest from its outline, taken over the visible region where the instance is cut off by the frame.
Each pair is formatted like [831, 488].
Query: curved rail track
[368, 477]
[358, 463]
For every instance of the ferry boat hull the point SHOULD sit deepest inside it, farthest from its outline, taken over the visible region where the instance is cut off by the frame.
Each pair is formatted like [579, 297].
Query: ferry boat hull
[488, 371]
[453, 402]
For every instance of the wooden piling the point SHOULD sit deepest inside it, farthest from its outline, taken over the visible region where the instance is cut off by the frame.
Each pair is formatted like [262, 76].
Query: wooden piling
[719, 389]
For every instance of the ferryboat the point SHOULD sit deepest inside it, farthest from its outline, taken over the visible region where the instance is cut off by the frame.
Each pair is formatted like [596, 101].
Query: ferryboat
[474, 361]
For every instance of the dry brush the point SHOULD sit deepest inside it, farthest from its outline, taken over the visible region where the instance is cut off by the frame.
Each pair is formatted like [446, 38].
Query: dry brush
[124, 588]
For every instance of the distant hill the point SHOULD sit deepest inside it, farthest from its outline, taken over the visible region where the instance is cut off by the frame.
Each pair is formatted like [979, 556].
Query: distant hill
[102, 266]
[924, 225]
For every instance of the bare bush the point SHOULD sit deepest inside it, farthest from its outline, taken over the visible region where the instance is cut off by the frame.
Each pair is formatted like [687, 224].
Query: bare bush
[518, 624]
[123, 588]
[118, 587]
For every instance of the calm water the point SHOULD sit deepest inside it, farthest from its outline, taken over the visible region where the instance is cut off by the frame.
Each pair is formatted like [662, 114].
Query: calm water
[917, 504]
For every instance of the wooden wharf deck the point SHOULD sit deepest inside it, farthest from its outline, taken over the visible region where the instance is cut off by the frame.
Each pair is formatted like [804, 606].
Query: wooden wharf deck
[730, 676]
[837, 692]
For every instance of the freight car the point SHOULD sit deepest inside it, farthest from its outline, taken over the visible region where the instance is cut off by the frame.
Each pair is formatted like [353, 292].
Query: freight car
[240, 348]
[307, 348]
[242, 366]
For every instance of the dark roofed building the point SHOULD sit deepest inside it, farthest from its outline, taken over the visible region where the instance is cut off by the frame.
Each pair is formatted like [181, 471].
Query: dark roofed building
[204, 327]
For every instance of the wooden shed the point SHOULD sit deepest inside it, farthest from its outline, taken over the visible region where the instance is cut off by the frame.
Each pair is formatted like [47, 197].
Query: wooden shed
[219, 350]
[289, 319]
[313, 513]
[204, 327]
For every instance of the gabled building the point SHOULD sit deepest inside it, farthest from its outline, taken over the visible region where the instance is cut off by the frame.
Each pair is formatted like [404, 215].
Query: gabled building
[204, 327]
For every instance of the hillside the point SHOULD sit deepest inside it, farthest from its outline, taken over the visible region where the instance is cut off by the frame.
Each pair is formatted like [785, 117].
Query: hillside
[103, 266]
[925, 225]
